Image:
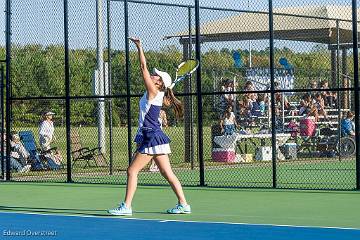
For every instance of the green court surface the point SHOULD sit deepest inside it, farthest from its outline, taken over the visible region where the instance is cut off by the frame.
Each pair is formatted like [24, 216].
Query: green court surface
[256, 206]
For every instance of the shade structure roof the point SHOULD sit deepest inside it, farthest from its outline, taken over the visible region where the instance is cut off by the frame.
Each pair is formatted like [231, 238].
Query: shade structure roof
[316, 24]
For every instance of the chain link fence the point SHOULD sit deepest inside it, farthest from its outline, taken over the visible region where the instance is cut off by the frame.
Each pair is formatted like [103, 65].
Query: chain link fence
[277, 91]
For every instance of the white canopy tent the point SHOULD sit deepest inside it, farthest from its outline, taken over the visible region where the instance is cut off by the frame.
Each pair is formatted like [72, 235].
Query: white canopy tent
[316, 24]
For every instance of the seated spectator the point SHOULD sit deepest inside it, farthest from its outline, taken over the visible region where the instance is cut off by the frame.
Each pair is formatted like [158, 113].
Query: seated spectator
[293, 128]
[15, 164]
[228, 99]
[329, 97]
[228, 123]
[347, 125]
[258, 107]
[249, 86]
[320, 105]
[262, 104]
[18, 150]
[314, 84]
[245, 106]
[307, 107]
[279, 125]
[303, 108]
[280, 98]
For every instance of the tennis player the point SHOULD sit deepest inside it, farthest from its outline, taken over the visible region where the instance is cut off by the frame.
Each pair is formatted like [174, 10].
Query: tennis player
[151, 140]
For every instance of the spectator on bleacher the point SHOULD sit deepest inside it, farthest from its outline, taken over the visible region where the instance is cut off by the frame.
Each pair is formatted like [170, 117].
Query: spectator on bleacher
[262, 104]
[329, 97]
[245, 106]
[303, 107]
[228, 123]
[240, 113]
[280, 98]
[314, 84]
[305, 104]
[320, 105]
[307, 107]
[293, 128]
[258, 107]
[228, 99]
[279, 125]
[249, 86]
[348, 125]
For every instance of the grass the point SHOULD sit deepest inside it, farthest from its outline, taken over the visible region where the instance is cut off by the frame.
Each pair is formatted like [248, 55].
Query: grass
[308, 173]
[88, 138]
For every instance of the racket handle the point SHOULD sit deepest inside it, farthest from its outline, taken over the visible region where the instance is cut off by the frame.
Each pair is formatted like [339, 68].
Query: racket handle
[172, 85]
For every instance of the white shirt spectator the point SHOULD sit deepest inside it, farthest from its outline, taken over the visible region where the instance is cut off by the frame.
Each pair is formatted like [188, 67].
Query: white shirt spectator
[46, 134]
[230, 120]
[47, 129]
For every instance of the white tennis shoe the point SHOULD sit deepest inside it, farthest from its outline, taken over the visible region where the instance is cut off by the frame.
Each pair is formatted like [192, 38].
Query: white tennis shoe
[180, 209]
[122, 210]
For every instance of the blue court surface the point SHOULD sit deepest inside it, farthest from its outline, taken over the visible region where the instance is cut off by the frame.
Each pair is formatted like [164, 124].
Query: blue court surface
[36, 226]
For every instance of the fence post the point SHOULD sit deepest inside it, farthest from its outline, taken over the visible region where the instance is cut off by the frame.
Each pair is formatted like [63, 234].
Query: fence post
[67, 91]
[356, 88]
[273, 119]
[8, 89]
[2, 121]
[127, 76]
[110, 87]
[188, 101]
[199, 94]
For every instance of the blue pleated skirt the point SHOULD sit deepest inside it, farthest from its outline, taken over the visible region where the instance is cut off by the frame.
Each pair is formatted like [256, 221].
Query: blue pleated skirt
[152, 141]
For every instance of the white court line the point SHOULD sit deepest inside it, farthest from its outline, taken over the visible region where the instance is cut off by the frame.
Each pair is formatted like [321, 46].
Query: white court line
[184, 221]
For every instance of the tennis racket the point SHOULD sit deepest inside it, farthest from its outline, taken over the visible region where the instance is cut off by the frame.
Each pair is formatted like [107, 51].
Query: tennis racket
[184, 70]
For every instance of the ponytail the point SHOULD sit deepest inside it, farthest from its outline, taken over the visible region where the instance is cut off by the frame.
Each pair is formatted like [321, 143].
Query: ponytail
[176, 103]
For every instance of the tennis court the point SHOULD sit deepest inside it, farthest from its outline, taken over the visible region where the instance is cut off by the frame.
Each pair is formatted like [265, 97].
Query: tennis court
[276, 81]
[78, 211]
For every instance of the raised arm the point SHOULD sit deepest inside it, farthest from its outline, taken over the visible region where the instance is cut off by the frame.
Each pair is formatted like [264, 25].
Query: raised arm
[149, 84]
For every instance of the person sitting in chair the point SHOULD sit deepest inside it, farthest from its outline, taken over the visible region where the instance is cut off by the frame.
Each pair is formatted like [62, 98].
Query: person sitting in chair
[15, 164]
[228, 123]
[18, 150]
[347, 125]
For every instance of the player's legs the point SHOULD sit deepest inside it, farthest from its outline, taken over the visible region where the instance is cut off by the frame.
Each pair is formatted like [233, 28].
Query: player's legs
[162, 161]
[139, 162]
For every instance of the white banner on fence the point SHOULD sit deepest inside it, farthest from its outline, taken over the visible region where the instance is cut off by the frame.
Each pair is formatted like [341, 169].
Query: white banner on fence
[260, 77]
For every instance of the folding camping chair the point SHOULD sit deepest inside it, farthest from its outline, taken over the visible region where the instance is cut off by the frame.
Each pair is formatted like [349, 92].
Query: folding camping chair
[40, 159]
[85, 154]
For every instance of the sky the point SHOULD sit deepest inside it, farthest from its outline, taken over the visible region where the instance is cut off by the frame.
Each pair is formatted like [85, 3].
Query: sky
[41, 21]
[2, 22]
